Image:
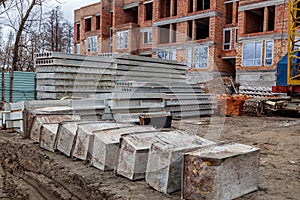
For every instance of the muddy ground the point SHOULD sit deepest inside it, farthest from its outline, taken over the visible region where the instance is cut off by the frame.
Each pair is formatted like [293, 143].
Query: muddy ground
[28, 172]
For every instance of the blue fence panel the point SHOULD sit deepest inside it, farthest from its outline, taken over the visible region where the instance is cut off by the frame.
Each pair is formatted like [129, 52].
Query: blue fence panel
[23, 86]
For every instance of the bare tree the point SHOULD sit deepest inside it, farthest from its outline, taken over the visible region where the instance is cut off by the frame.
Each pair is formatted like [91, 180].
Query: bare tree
[58, 31]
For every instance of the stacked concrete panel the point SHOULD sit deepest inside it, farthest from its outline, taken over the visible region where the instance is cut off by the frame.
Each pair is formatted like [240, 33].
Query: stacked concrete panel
[127, 107]
[182, 105]
[60, 74]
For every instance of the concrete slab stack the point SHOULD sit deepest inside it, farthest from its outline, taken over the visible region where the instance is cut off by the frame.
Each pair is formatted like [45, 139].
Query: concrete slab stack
[190, 104]
[60, 74]
[127, 107]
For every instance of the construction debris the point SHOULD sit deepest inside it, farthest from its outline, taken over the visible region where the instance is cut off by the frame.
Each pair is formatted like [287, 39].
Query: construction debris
[231, 105]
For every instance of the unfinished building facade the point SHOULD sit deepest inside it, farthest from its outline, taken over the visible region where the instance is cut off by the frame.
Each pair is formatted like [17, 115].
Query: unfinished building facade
[262, 41]
[211, 36]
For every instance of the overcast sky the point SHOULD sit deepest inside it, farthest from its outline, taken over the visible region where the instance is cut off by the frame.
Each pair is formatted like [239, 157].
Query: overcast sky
[68, 7]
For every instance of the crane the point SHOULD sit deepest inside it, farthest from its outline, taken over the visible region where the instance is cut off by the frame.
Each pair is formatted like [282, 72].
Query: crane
[293, 64]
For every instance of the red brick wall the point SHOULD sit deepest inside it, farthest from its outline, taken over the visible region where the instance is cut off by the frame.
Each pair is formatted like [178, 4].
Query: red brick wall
[280, 28]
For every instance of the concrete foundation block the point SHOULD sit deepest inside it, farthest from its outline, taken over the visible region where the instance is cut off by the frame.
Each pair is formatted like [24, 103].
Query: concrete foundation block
[84, 137]
[106, 145]
[39, 120]
[225, 171]
[47, 136]
[65, 137]
[133, 154]
[165, 162]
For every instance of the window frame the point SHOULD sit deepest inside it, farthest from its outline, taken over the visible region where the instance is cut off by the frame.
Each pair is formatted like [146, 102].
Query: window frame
[122, 39]
[230, 39]
[265, 56]
[77, 48]
[166, 54]
[254, 60]
[201, 58]
[148, 37]
[88, 24]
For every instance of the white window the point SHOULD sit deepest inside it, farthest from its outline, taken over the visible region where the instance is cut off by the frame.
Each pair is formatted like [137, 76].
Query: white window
[84, 45]
[201, 57]
[148, 37]
[92, 44]
[163, 54]
[122, 39]
[173, 54]
[269, 52]
[227, 38]
[235, 38]
[189, 57]
[78, 48]
[252, 54]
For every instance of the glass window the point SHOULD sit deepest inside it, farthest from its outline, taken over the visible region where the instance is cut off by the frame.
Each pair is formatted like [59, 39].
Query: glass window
[173, 54]
[269, 53]
[189, 57]
[78, 48]
[227, 39]
[122, 39]
[252, 53]
[201, 57]
[148, 37]
[163, 54]
[84, 45]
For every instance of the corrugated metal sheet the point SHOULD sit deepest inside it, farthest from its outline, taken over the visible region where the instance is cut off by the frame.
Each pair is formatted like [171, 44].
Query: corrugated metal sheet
[23, 87]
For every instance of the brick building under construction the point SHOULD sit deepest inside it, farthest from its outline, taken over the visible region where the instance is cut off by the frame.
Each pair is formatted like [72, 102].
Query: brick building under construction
[241, 38]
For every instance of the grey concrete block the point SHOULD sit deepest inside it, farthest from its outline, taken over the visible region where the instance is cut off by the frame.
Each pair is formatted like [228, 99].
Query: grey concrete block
[225, 171]
[84, 137]
[133, 154]
[47, 136]
[106, 145]
[165, 162]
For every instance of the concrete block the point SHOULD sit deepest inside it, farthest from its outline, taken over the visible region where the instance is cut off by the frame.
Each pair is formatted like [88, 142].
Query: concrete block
[39, 120]
[84, 137]
[133, 154]
[14, 106]
[65, 137]
[11, 116]
[165, 162]
[48, 135]
[225, 171]
[106, 145]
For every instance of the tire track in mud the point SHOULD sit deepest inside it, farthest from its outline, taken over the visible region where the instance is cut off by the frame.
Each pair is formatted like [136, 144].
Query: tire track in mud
[27, 174]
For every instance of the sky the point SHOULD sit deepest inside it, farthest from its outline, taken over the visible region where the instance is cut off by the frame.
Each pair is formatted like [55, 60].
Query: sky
[68, 6]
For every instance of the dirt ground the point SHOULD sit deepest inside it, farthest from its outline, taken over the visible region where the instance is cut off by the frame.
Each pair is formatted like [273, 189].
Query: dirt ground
[28, 172]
